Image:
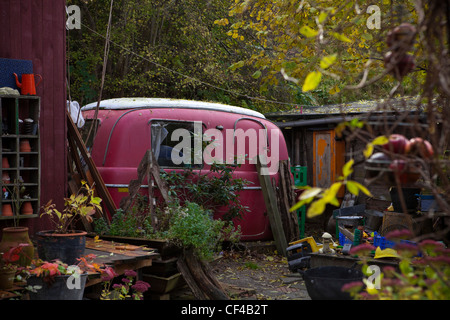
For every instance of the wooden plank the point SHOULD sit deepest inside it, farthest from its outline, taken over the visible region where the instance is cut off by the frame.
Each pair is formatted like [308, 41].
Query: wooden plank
[148, 167]
[73, 156]
[143, 170]
[151, 196]
[271, 206]
[162, 185]
[100, 186]
[287, 200]
[75, 183]
[114, 252]
[120, 256]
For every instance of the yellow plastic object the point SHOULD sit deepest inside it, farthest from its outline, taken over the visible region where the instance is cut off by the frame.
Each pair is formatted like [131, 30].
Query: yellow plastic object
[310, 241]
[385, 253]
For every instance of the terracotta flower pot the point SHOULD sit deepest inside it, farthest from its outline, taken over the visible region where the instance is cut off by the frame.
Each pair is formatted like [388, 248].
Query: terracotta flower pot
[7, 278]
[7, 210]
[25, 146]
[5, 163]
[13, 237]
[26, 208]
[5, 178]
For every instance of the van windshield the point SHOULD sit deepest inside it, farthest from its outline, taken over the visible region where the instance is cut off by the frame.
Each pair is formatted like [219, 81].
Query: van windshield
[173, 143]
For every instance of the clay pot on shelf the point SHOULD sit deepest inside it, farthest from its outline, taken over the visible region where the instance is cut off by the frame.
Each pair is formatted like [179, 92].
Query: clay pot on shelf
[5, 163]
[25, 145]
[26, 208]
[7, 210]
[6, 178]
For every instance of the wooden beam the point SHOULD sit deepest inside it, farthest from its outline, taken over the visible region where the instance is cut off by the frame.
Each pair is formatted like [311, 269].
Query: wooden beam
[270, 199]
[148, 167]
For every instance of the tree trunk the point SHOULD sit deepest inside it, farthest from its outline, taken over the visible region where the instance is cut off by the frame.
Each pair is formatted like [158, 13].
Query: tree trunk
[199, 277]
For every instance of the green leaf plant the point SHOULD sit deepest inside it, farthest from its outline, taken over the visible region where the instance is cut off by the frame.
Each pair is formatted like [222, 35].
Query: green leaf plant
[83, 204]
[423, 272]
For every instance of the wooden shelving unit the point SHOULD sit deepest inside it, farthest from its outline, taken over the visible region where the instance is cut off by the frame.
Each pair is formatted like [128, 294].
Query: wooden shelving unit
[20, 148]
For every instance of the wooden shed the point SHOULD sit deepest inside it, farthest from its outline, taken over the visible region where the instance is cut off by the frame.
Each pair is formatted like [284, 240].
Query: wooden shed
[310, 134]
[36, 31]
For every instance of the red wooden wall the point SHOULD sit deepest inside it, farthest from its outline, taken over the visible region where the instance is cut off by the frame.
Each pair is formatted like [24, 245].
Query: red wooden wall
[35, 30]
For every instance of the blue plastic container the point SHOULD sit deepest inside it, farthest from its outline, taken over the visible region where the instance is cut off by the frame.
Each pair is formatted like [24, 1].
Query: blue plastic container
[344, 240]
[382, 242]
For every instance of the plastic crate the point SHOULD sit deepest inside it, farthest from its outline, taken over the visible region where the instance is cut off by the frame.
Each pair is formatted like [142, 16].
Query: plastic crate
[344, 240]
[382, 242]
[427, 202]
[299, 174]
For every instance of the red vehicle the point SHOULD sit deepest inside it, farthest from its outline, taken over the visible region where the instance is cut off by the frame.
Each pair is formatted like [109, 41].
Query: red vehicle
[175, 131]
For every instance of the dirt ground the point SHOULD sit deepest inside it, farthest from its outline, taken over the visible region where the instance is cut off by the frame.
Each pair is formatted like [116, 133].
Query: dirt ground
[258, 275]
[255, 271]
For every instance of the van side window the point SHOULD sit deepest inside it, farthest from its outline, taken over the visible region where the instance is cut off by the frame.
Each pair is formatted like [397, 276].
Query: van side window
[169, 147]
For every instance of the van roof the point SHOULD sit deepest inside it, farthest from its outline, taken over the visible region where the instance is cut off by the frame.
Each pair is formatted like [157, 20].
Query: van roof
[131, 103]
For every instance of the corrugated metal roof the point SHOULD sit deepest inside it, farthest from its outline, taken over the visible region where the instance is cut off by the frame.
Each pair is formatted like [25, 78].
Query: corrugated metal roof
[348, 108]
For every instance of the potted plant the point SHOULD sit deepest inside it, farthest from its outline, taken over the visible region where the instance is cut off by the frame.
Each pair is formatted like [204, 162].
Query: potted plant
[64, 242]
[14, 236]
[57, 280]
[8, 265]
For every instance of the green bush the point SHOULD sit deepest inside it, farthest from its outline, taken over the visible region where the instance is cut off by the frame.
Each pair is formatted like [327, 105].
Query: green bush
[188, 225]
[193, 227]
[216, 189]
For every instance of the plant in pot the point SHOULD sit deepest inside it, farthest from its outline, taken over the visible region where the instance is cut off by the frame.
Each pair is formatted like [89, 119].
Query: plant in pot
[64, 242]
[56, 280]
[9, 266]
[14, 236]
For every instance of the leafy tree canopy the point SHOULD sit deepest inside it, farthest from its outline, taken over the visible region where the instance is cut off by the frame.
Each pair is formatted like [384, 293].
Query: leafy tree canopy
[324, 49]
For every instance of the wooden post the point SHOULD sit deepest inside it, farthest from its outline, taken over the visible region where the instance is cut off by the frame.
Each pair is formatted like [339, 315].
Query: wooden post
[271, 205]
[148, 167]
[199, 277]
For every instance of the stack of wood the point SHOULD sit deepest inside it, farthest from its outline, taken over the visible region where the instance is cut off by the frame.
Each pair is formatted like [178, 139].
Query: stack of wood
[286, 199]
[279, 198]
